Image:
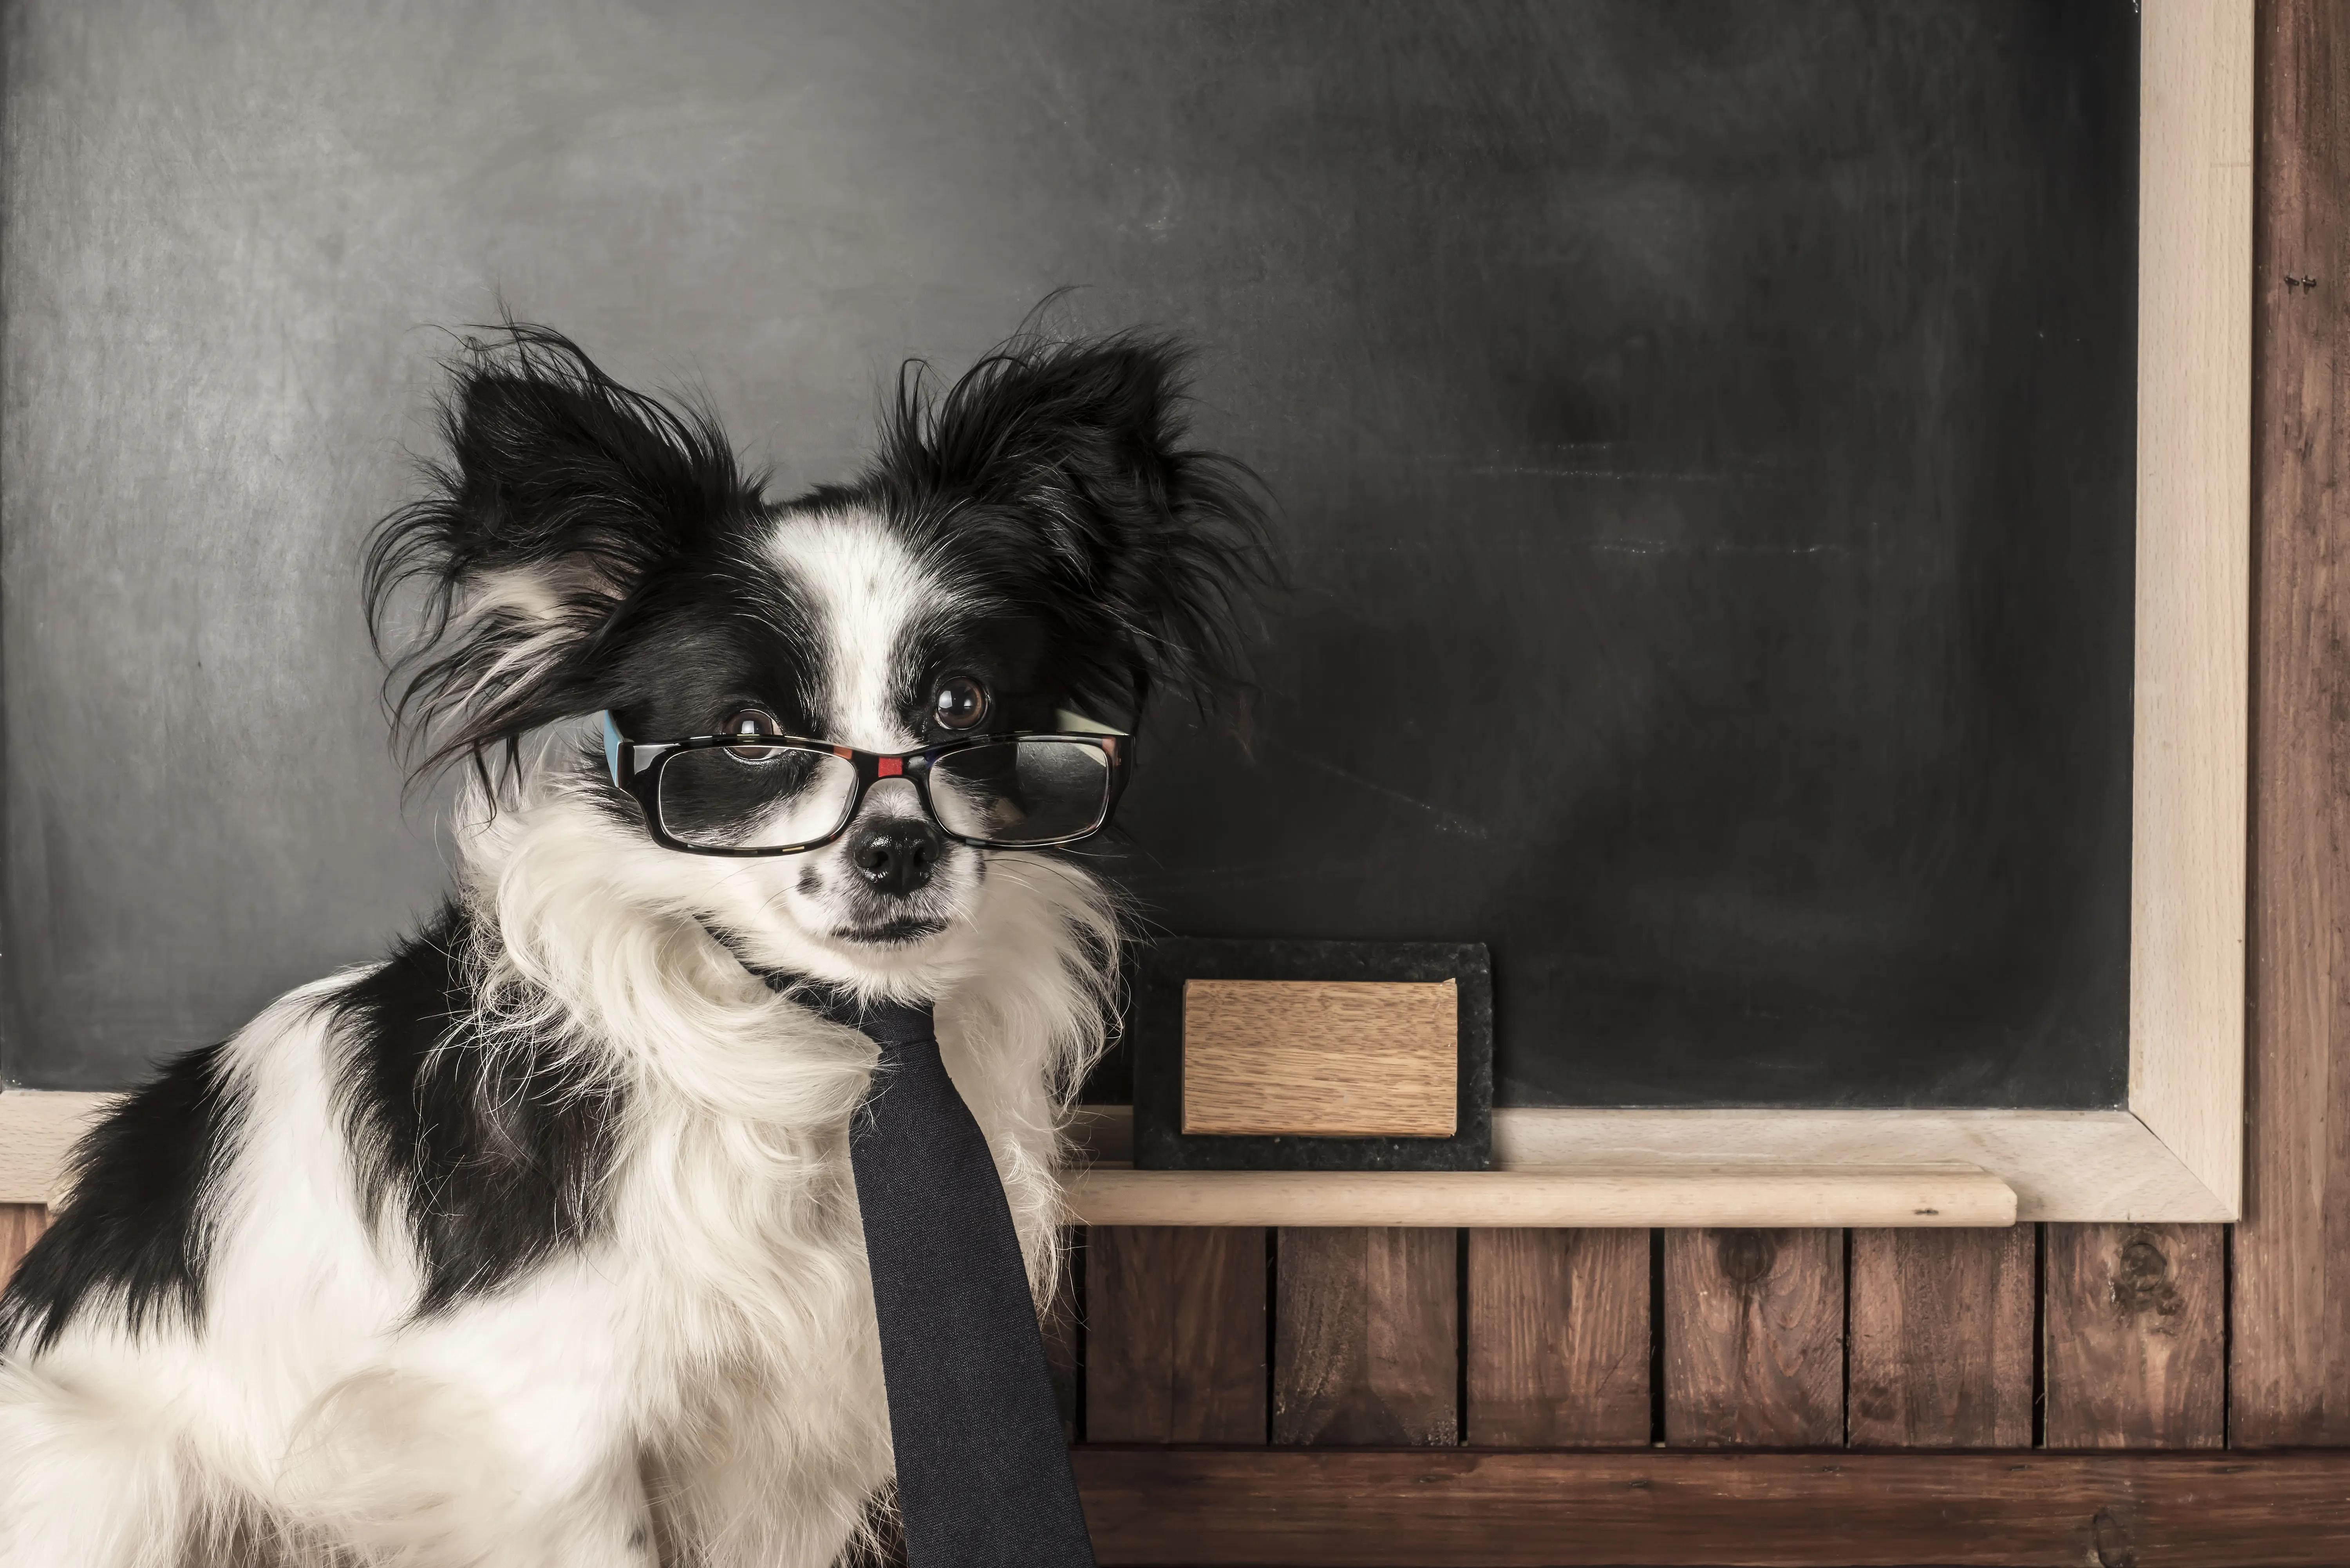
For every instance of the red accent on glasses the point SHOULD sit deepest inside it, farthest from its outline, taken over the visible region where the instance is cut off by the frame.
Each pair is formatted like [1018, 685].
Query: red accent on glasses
[891, 767]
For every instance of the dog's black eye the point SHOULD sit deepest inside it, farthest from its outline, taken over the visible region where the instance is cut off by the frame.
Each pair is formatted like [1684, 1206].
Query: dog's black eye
[753, 721]
[960, 704]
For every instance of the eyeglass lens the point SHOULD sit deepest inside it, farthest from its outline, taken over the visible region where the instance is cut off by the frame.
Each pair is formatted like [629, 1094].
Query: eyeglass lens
[1021, 791]
[755, 797]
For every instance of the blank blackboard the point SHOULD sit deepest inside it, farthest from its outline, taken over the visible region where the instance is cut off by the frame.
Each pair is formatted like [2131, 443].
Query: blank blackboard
[1718, 572]
[1704, 435]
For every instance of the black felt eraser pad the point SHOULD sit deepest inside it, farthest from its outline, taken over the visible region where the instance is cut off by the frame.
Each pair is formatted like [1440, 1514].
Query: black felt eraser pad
[1154, 1031]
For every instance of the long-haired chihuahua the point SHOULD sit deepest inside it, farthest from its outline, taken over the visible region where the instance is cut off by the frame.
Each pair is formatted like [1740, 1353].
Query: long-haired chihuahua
[536, 1243]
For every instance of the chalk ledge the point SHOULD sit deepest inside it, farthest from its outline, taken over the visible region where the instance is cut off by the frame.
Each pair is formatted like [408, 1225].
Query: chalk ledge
[1576, 1187]
[1597, 1196]
[1590, 1168]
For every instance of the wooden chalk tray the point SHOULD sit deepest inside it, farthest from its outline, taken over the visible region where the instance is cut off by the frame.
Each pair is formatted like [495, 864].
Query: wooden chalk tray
[1634, 1187]
[1628, 1185]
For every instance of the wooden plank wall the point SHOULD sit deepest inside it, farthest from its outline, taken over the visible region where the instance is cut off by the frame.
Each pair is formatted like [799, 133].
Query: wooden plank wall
[2069, 1337]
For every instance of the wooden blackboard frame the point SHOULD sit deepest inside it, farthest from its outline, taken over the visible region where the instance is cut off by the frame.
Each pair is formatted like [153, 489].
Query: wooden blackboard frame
[2176, 1152]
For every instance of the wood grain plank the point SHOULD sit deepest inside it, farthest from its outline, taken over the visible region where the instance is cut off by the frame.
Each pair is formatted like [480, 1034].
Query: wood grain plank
[1175, 1334]
[1481, 1509]
[2134, 1330]
[21, 1225]
[1366, 1336]
[2291, 1343]
[2191, 625]
[1326, 1057]
[1558, 1338]
[1753, 1325]
[1940, 1326]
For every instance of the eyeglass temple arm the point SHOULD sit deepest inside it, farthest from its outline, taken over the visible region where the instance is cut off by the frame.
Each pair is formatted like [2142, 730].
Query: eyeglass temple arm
[612, 750]
[1071, 723]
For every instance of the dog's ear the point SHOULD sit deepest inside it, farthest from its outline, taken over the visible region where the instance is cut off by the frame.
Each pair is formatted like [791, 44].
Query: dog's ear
[1072, 456]
[561, 491]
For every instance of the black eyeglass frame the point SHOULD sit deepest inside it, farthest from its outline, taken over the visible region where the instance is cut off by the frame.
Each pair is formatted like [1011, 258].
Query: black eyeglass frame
[640, 775]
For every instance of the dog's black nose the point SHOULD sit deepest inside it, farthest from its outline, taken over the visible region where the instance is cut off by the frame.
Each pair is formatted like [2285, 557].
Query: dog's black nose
[896, 856]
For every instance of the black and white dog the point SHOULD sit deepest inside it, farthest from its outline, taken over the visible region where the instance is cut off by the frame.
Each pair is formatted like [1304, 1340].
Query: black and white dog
[536, 1243]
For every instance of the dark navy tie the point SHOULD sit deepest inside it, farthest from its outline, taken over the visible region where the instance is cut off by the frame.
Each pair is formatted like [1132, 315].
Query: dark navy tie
[984, 1477]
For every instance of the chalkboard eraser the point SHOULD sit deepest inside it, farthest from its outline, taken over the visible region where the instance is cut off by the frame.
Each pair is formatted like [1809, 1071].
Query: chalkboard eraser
[1322, 1058]
[1311, 1055]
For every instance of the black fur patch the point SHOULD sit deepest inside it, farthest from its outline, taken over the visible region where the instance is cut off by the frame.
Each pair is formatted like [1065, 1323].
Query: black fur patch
[137, 1237]
[1055, 480]
[496, 1158]
[557, 474]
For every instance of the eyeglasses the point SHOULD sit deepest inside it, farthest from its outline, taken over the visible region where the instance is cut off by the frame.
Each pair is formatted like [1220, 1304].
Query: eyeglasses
[780, 795]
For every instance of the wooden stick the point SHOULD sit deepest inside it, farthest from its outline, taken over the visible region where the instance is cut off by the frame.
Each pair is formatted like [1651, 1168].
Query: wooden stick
[1666, 1196]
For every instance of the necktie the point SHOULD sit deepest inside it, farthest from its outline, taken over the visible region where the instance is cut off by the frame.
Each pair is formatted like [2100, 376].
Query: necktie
[984, 1477]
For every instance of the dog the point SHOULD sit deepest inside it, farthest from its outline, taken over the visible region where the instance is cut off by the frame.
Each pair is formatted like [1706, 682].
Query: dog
[536, 1243]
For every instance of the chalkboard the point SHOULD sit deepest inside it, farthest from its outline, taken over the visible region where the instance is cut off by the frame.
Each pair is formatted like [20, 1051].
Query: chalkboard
[1718, 580]
[1704, 432]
